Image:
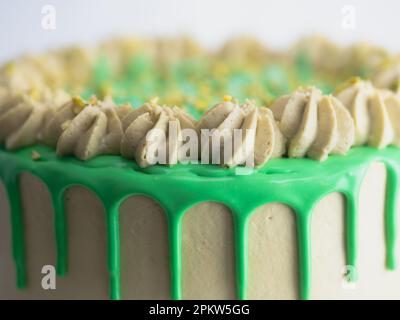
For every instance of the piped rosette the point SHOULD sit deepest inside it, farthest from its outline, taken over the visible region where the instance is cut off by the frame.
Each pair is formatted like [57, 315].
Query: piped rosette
[240, 134]
[375, 112]
[156, 134]
[23, 114]
[387, 76]
[314, 124]
[87, 129]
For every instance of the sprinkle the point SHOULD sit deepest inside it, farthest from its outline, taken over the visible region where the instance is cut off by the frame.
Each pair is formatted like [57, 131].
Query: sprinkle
[205, 90]
[79, 104]
[10, 67]
[35, 155]
[34, 94]
[386, 63]
[154, 101]
[105, 90]
[78, 101]
[93, 100]
[201, 105]
[348, 83]
[354, 80]
[220, 69]
[227, 98]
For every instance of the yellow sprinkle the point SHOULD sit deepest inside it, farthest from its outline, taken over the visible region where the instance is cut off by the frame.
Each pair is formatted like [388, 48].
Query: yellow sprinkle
[204, 90]
[78, 101]
[35, 155]
[105, 90]
[386, 63]
[348, 83]
[227, 98]
[154, 101]
[34, 94]
[354, 80]
[10, 67]
[220, 69]
[93, 100]
[201, 105]
[79, 104]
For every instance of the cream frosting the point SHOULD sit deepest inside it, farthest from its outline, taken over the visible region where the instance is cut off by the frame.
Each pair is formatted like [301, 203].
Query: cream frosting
[244, 49]
[315, 125]
[20, 77]
[59, 119]
[70, 67]
[88, 129]
[266, 142]
[21, 119]
[392, 104]
[170, 50]
[374, 112]
[138, 124]
[355, 96]
[304, 123]
[322, 53]
[388, 76]
[366, 55]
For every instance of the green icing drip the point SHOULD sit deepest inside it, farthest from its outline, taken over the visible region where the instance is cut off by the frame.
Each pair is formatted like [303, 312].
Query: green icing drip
[392, 186]
[299, 183]
[60, 231]
[351, 228]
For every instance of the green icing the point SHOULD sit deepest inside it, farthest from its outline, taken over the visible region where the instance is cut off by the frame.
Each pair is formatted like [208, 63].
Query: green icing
[205, 80]
[299, 183]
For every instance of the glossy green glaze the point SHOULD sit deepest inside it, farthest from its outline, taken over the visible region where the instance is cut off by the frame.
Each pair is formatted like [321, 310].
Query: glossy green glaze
[299, 183]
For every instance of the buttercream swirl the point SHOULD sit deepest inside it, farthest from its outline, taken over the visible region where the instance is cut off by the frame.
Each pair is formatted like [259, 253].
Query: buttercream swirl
[167, 124]
[388, 76]
[23, 114]
[304, 123]
[87, 129]
[265, 140]
[374, 112]
[315, 125]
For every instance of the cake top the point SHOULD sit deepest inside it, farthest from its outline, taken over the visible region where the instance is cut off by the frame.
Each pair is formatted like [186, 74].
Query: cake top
[164, 101]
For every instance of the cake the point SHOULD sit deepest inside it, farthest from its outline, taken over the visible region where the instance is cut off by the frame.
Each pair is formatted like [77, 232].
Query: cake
[305, 208]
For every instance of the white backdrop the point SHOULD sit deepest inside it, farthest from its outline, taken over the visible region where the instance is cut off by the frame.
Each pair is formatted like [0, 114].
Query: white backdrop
[275, 22]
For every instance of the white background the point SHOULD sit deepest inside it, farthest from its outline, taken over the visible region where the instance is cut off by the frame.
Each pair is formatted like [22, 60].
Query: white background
[276, 22]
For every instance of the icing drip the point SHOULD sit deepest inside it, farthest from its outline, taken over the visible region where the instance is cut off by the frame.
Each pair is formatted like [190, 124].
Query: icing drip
[295, 182]
[313, 125]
